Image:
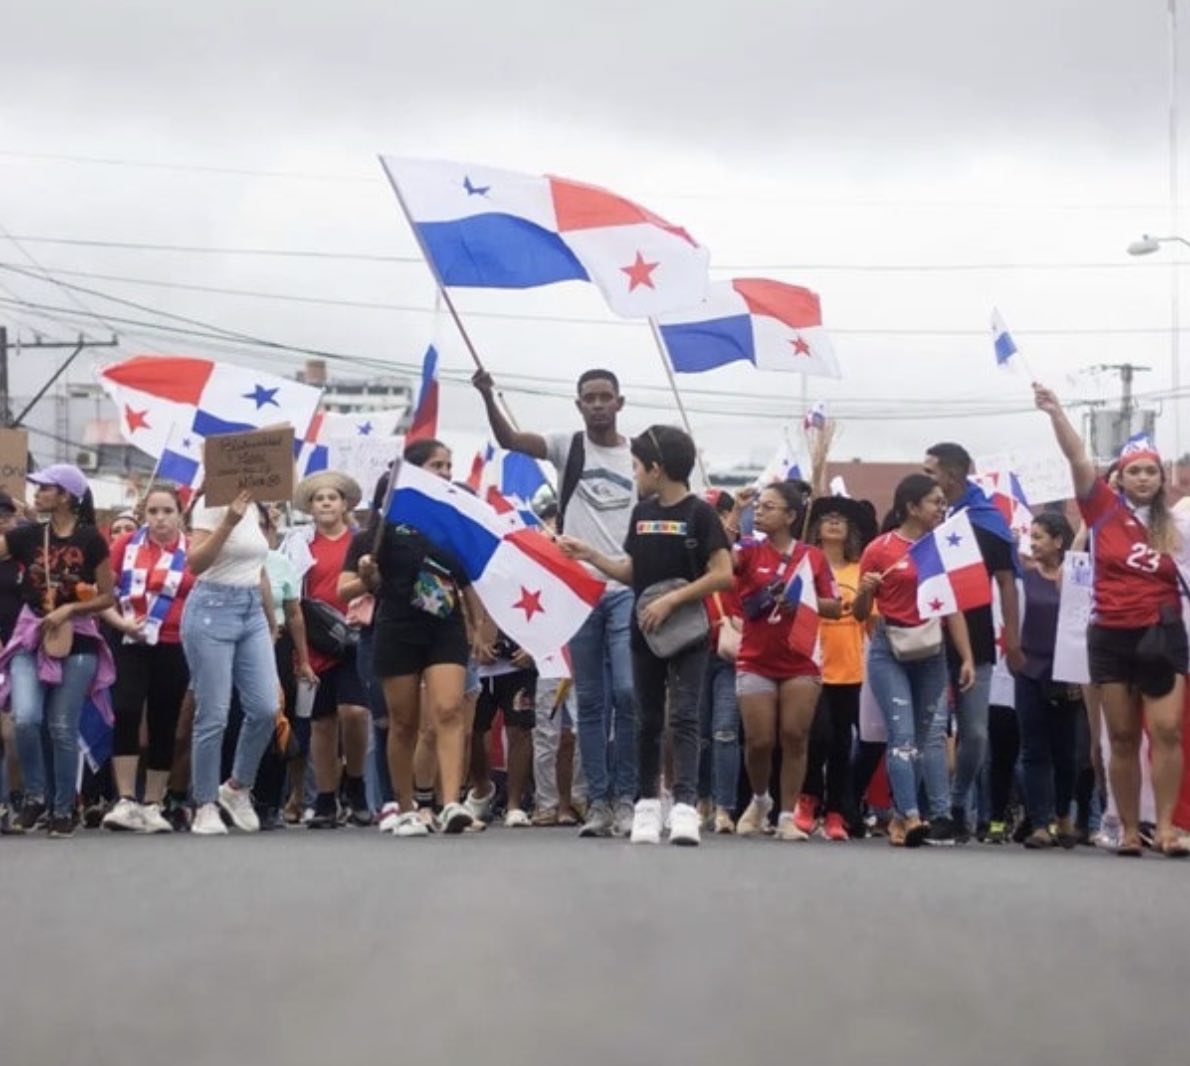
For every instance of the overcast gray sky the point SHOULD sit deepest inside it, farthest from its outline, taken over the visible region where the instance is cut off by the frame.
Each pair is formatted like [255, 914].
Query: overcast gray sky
[914, 161]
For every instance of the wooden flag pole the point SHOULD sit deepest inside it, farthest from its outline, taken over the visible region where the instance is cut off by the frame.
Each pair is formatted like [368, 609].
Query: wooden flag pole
[425, 253]
[673, 384]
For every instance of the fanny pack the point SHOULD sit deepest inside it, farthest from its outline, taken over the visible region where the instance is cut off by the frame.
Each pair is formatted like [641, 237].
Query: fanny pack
[327, 630]
[434, 590]
[685, 627]
[911, 643]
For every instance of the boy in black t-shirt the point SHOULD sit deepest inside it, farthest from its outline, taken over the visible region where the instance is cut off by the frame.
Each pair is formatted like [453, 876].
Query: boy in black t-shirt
[672, 535]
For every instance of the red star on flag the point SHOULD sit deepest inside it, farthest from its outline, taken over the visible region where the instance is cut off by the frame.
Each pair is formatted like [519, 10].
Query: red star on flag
[530, 603]
[800, 347]
[639, 273]
[136, 419]
[936, 605]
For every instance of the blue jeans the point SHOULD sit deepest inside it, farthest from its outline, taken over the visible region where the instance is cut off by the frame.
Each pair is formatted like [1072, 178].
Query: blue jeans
[912, 698]
[606, 726]
[378, 774]
[971, 735]
[719, 721]
[1049, 724]
[226, 639]
[57, 709]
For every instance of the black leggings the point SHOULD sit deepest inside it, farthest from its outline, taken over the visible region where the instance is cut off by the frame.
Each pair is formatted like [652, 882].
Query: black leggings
[151, 679]
[1004, 745]
[836, 721]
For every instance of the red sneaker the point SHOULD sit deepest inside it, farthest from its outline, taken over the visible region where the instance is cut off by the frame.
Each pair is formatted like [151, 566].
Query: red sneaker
[834, 828]
[804, 814]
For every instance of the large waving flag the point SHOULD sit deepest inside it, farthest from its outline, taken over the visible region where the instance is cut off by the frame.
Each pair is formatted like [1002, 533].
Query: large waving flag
[498, 229]
[769, 324]
[532, 591]
[189, 399]
[800, 594]
[951, 576]
[425, 414]
[327, 426]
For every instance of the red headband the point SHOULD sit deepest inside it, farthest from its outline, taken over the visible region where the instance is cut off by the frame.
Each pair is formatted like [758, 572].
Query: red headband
[1139, 456]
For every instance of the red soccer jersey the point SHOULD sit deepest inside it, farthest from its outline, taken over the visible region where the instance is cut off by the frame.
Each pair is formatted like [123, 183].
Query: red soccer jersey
[896, 596]
[1133, 581]
[322, 583]
[764, 645]
[171, 628]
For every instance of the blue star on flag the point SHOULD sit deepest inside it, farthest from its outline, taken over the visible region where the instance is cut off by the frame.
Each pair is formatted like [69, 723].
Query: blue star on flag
[364, 428]
[262, 396]
[475, 190]
[954, 540]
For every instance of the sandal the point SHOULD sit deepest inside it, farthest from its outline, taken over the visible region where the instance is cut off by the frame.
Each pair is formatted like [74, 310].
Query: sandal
[1130, 849]
[916, 837]
[568, 819]
[1174, 847]
[896, 833]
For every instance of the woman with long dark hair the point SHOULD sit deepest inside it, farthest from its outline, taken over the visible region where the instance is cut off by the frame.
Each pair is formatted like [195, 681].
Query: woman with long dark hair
[56, 657]
[1136, 643]
[906, 663]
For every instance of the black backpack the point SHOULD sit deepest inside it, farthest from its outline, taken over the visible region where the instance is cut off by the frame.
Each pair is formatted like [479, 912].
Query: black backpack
[570, 475]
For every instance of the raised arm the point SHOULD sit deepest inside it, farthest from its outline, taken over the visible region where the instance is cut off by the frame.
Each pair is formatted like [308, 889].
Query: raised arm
[507, 437]
[206, 544]
[1082, 470]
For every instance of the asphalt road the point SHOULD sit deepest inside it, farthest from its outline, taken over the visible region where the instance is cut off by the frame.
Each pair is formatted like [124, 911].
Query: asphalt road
[532, 946]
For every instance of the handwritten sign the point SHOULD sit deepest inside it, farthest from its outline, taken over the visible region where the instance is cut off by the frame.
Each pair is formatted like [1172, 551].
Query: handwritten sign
[14, 462]
[1074, 615]
[259, 462]
[1044, 475]
[364, 458]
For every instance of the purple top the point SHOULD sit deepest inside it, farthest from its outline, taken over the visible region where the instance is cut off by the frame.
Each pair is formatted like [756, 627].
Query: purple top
[1039, 628]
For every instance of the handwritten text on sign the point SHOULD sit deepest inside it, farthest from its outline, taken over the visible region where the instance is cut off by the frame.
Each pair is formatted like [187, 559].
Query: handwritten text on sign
[259, 462]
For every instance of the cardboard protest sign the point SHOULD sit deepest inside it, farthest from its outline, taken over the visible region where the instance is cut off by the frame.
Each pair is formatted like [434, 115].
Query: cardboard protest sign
[14, 462]
[259, 461]
[366, 459]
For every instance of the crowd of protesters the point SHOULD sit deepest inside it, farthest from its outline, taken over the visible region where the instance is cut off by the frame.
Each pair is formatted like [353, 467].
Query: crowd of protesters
[318, 666]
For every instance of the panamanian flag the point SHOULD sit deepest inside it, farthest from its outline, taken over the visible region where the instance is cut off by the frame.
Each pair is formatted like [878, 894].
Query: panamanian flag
[951, 575]
[767, 323]
[533, 592]
[481, 227]
[313, 452]
[179, 401]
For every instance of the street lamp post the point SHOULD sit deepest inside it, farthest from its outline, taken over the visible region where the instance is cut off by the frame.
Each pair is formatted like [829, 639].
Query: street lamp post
[1146, 246]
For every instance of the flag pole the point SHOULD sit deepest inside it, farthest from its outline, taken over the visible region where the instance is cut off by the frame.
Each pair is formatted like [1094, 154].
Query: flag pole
[425, 253]
[673, 384]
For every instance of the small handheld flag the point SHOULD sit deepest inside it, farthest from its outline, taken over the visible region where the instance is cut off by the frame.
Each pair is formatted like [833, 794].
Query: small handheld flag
[1007, 354]
[951, 575]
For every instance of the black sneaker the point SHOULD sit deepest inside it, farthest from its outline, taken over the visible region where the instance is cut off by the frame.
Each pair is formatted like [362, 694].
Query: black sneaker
[355, 806]
[177, 814]
[31, 816]
[941, 833]
[326, 812]
[93, 815]
[61, 827]
[958, 821]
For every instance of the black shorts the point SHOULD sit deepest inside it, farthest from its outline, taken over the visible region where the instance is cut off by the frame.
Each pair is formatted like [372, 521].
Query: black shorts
[515, 694]
[339, 686]
[1117, 655]
[401, 649]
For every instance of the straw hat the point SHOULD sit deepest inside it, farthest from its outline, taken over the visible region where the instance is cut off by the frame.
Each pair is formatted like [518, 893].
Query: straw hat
[345, 486]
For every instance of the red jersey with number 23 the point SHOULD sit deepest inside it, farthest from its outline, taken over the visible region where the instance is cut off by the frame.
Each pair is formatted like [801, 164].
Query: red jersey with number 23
[1133, 581]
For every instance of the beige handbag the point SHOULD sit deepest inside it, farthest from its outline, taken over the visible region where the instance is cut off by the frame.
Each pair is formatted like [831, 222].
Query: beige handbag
[728, 646]
[911, 643]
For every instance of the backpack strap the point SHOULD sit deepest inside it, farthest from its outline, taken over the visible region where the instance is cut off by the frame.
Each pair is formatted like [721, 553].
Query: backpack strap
[575, 459]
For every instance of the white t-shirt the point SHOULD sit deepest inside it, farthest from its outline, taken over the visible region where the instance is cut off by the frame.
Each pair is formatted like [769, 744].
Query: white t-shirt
[599, 511]
[243, 553]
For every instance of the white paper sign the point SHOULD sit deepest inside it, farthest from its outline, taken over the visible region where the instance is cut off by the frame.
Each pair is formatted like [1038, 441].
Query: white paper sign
[1074, 615]
[1044, 476]
[364, 458]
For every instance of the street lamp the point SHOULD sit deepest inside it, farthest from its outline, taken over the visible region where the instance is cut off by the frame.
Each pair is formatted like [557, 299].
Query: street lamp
[1146, 246]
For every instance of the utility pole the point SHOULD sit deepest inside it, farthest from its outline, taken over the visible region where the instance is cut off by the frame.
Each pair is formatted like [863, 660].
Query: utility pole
[1124, 421]
[6, 417]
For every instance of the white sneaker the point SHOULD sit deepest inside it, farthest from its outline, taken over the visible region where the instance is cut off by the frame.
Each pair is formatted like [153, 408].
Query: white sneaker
[756, 817]
[409, 825]
[516, 819]
[479, 807]
[153, 820]
[684, 824]
[125, 817]
[667, 806]
[622, 818]
[646, 822]
[787, 828]
[454, 818]
[1110, 833]
[208, 822]
[238, 804]
[390, 814]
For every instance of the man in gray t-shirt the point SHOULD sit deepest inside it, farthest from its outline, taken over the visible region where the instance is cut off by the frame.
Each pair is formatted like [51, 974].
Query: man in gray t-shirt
[596, 507]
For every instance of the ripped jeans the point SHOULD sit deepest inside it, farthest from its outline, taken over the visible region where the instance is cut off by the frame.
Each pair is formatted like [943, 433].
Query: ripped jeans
[912, 698]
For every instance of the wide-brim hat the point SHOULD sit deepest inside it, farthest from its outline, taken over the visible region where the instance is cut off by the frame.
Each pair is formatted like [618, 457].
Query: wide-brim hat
[345, 486]
[860, 514]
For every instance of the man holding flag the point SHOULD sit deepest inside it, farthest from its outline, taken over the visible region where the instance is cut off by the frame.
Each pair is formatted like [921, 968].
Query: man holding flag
[951, 466]
[596, 495]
